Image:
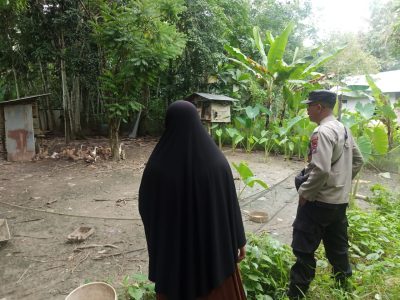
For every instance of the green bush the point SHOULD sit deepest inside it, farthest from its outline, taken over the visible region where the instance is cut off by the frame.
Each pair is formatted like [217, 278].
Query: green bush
[265, 270]
[137, 287]
[374, 253]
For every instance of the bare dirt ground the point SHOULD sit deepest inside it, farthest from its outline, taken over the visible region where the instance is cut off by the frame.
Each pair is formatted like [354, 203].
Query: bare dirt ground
[50, 198]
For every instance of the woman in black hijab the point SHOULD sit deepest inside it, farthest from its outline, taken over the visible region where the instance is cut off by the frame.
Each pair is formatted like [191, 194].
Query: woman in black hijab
[190, 212]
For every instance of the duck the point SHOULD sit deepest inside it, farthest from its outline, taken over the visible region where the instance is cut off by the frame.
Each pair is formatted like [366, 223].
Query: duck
[121, 151]
[93, 153]
[89, 159]
[55, 155]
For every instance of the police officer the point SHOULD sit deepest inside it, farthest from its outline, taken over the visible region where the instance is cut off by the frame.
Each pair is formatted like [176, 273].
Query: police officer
[334, 160]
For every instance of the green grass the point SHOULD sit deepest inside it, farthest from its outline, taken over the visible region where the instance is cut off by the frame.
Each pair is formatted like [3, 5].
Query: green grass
[375, 244]
[374, 253]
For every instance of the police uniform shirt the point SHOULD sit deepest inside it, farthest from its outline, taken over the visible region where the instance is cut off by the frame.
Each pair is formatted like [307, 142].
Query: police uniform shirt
[334, 161]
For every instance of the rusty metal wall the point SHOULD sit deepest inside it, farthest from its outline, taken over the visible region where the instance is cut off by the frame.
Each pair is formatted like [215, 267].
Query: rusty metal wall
[20, 141]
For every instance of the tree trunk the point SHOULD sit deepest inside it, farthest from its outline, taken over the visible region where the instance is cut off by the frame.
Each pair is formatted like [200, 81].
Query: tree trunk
[145, 102]
[51, 123]
[282, 114]
[98, 108]
[268, 103]
[65, 94]
[15, 81]
[390, 134]
[75, 105]
[114, 138]
[267, 117]
[170, 81]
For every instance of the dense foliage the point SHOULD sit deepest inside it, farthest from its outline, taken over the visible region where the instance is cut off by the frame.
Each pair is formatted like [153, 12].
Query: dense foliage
[103, 61]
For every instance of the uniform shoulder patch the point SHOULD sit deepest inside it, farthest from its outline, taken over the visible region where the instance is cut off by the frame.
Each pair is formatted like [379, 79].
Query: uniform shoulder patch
[314, 143]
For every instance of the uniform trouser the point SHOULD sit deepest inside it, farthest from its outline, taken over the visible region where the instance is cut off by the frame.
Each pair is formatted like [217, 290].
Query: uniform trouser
[316, 221]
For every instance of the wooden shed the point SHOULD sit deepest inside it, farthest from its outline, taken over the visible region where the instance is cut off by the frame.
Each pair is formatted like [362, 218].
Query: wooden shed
[19, 125]
[212, 108]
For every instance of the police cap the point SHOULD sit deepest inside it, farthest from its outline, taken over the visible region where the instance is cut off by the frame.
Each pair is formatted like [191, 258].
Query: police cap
[321, 96]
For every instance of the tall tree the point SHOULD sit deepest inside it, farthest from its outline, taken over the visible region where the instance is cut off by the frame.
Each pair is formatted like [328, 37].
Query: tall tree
[353, 60]
[274, 15]
[396, 30]
[380, 39]
[54, 41]
[138, 40]
[208, 25]
[11, 53]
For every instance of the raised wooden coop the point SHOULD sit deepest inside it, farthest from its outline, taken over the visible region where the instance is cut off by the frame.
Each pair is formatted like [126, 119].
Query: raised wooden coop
[212, 108]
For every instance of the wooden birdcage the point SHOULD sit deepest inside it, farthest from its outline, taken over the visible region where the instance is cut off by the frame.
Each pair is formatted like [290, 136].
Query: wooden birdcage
[212, 108]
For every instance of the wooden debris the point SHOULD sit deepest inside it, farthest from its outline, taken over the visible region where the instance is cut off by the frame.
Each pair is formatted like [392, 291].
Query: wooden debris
[364, 181]
[99, 257]
[53, 267]
[32, 236]
[117, 201]
[94, 246]
[80, 234]
[31, 220]
[4, 231]
[362, 197]
[80, 261]
[23, 274]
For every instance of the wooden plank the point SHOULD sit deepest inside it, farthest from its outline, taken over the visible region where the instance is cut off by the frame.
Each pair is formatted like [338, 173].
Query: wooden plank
[35, 113]
[2, 131]
[2, 118]
[220, 113]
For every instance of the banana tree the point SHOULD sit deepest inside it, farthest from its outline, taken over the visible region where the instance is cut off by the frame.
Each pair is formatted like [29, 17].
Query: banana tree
[384, 110]
[234, 78]
[372, 123]
[370, 133]
[274, 73]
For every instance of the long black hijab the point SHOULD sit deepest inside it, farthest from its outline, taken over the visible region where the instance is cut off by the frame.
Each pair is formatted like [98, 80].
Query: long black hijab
[189, 208]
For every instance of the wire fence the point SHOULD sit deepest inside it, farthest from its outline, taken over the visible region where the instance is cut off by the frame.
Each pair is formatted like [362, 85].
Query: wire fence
[389, 162]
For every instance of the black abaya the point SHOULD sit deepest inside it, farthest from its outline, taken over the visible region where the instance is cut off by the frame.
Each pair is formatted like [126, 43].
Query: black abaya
[189, 208]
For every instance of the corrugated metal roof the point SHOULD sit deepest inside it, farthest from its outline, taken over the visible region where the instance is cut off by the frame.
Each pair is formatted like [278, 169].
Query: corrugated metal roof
[388, 82]
[210, 97]
[23, 99]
